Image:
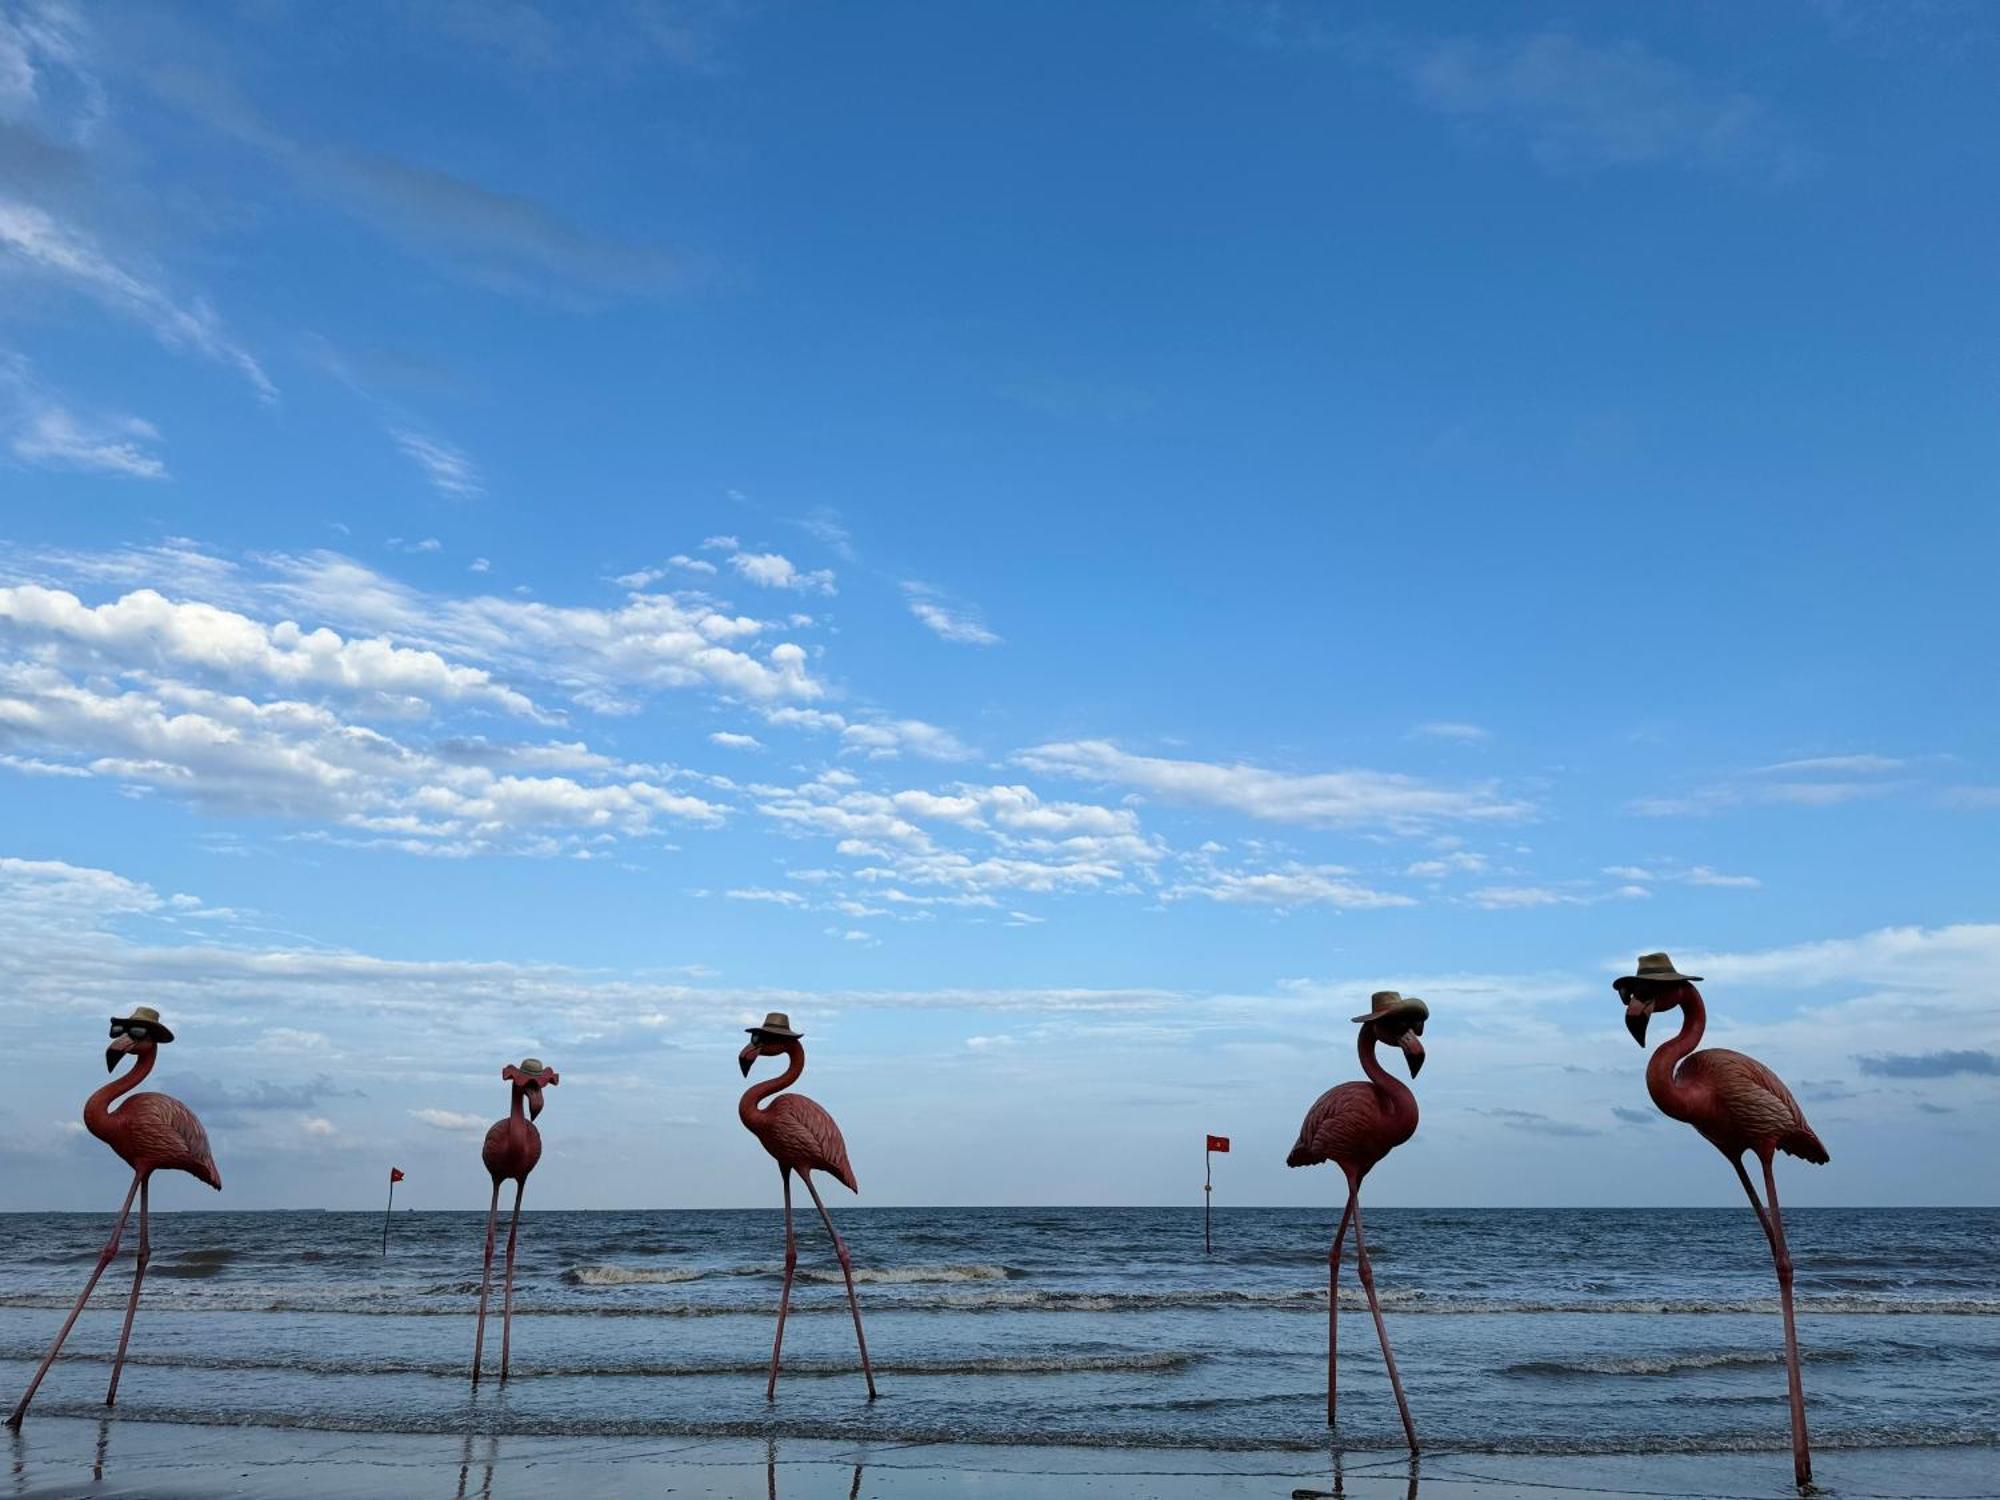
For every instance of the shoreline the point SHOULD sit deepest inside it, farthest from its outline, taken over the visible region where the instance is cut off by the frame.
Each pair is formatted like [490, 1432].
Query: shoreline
[60, 1456]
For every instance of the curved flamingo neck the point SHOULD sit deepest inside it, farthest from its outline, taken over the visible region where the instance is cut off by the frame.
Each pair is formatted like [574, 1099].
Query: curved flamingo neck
[97, 1108]
[1398, 1094]
[747, 1107]
[520, 1129]
[1661, 1066]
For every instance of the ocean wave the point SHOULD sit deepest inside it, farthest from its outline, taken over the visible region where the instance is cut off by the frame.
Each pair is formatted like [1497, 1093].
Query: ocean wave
[1670, 1364]
[449, 1299]
[880, 1428]
[1051, 1363]
[912, 1275]
[628, 1275]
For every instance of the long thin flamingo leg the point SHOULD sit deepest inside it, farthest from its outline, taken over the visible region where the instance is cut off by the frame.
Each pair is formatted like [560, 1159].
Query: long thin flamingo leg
[485, 1283]
[847, 1272]
[507, 1296]
[1801, 1453]
[784, 1296]
[1763, 1219]
[104, 1258]
[1333, 1306]
[1381, 1330]
[138, 1280]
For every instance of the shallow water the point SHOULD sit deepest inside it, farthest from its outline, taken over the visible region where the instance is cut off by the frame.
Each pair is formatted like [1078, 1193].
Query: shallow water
[1589, 1331]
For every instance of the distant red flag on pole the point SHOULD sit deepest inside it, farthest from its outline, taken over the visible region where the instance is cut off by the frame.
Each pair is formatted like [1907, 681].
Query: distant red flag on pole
[1218, 1143]
[396, 1173]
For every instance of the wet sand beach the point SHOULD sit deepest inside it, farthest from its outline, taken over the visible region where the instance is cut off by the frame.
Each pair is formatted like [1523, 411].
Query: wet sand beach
[64, 1456]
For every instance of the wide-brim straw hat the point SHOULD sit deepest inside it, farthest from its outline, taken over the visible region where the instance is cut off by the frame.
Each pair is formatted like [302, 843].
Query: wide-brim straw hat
[1387, 1005]
[776, 1023]
[145, 1015]
[1655, 968]
[531, 1070]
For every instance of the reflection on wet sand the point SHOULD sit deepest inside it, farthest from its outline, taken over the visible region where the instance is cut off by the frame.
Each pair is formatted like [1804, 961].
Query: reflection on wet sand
[771, 1473]
[487, 1466]
[1339, 1490]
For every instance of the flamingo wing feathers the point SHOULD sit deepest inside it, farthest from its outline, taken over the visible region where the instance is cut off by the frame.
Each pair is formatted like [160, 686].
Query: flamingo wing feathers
[802, 1136]
[1756, 1105]
[1345, 1125]
[161, 1134]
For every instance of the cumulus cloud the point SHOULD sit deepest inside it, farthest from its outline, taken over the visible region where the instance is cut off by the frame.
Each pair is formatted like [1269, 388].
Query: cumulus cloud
[146, 629]
[773, 570]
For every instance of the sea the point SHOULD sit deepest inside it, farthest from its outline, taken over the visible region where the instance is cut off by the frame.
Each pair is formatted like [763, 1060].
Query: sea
[1584, 1331]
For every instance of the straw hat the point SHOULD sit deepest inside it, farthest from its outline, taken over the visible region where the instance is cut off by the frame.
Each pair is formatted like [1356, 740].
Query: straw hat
[146, 1016]
[1655, 968]
[531, 1070]
[1387, 1005]
[776, 1023]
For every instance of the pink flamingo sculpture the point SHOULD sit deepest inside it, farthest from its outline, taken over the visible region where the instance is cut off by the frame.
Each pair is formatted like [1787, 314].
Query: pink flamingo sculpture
[802, 1138]
[153, 1133]
[511, 1149]
[1355, 1125]
[1738, 1105]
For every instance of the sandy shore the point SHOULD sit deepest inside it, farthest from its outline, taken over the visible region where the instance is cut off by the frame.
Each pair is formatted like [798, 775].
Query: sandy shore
[58, 1456]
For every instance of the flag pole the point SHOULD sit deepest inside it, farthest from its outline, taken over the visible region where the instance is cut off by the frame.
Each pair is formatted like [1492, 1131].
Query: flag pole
[1207, 1198]
[388, 1210]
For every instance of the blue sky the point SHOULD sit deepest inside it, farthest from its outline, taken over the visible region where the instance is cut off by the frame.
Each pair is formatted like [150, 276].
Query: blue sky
[1063, 546]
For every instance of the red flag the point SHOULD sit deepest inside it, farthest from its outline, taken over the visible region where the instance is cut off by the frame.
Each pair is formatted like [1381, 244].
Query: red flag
[1218, 1143]
[396, 1173]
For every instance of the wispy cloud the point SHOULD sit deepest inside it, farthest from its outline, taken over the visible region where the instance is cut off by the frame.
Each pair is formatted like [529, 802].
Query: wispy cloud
[1328, 799]
[43, 244]
[43, 431]
[1583, 106]
[948, 621]
[447, 468]
[1975, 1063]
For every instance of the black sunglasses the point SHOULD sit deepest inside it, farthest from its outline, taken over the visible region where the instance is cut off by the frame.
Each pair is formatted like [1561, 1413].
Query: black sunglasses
[137, 1030]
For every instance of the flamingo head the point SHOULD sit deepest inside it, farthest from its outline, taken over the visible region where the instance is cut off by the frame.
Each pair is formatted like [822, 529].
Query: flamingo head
[138, 1034]
[1399, 1021]
[1643, 997]
[531, 1078]
[761, 1044]
[1406, 1037]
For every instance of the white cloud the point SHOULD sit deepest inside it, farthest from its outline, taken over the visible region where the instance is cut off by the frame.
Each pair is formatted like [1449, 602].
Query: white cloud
[452, 1121]
[1291, 885]
[299, 760]
[1703, 875]
[146, 629]
[773, 570]
[951, 622]
[42, 243]
[43, 431]
[447, 468]
[1325, 799]
[732, 741]
[884, 739]
[599, 656]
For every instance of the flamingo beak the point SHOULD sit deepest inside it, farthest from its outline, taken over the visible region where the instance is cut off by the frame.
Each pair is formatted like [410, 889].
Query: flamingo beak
[1413, 1052]
[118, 1048]
[534, 1101]
[1637, 1014]
[747, 1058]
